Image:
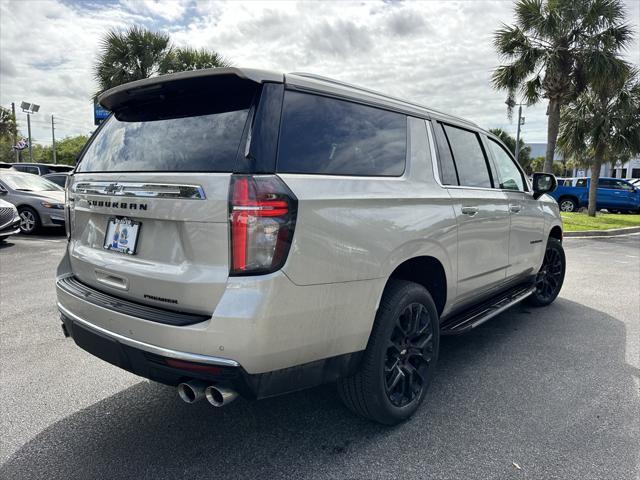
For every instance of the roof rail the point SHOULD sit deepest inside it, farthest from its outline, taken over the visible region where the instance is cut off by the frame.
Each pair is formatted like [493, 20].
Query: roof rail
[374, 92]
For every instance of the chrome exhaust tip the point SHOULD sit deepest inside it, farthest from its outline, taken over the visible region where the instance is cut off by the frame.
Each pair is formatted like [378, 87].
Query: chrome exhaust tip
[220, 396]
[192, 392]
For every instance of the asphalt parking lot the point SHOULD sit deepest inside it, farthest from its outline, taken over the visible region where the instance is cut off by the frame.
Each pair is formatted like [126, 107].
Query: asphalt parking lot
[539, 394]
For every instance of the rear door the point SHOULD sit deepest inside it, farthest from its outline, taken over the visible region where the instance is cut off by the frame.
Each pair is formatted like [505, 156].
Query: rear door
[608, 196]
[482, 212]
[149, 200]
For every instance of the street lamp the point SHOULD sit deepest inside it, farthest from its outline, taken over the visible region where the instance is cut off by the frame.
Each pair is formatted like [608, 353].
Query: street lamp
[511, 103]
[29, 109]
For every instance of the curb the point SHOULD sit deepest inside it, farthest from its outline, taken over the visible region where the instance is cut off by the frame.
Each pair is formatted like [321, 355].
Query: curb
[602, 233]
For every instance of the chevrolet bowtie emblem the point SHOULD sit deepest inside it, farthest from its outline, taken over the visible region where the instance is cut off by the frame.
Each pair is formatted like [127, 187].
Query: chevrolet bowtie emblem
[112, 188]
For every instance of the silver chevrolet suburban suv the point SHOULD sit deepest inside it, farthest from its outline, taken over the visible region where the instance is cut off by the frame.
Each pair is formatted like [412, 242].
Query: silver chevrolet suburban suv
[244, 232]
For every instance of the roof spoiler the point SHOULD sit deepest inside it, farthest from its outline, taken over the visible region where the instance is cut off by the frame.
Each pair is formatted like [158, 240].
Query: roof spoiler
[123, 95]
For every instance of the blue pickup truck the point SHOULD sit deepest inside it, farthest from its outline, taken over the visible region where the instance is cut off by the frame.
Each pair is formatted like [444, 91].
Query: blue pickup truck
[614, 194]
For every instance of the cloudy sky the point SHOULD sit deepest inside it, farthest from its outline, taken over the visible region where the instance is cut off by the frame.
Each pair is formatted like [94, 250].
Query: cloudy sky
[437, 53]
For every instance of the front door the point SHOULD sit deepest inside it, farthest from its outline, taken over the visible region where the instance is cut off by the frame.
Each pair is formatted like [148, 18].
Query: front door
[526, 242]
[482, 212]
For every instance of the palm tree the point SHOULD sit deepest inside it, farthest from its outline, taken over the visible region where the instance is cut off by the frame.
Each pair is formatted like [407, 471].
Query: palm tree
[557, 48]
[137, 53]
[182, 59]
[602, 124]
[524, 158]
[129, 55]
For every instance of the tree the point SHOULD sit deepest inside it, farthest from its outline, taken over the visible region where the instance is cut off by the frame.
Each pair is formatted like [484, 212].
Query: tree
[8, 129]
[129, 55]
[7, 123]
[68, 149]
[137, 53]
[557, 48]
[524, 159]
[183, 59]
[602, 124]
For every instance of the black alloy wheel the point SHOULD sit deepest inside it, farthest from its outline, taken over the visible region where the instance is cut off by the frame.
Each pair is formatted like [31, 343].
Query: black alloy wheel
[550, 278]
[399, 362]
[410, 352]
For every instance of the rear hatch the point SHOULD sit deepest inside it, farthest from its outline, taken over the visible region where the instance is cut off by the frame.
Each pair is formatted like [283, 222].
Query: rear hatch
[148, 204]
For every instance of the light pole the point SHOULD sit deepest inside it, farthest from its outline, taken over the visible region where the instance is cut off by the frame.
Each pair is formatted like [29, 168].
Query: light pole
[29, 109]
[511, 103]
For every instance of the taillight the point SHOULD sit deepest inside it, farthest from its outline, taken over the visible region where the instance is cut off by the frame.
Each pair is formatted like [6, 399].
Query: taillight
[262, 219]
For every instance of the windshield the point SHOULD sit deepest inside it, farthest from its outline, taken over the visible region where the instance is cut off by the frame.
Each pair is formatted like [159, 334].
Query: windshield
[29, 183]
[198, 131]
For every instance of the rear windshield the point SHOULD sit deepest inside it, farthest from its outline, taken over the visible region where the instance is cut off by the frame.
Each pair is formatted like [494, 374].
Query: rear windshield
[189, 135]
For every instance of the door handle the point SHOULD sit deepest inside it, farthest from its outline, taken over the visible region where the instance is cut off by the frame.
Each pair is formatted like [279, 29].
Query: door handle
[515, 208]
[471, 211]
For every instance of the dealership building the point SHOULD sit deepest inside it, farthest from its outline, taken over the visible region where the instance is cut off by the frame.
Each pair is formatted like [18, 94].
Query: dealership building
[628, 170]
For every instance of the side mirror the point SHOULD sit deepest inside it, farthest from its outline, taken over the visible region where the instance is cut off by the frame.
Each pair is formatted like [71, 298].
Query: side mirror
[3, 191]
[543, 183]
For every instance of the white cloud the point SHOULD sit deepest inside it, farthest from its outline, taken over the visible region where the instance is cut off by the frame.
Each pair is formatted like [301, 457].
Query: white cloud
[170, 10]
[435, 53]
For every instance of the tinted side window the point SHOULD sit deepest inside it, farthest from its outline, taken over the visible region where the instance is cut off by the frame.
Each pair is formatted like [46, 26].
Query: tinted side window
[624, 186]
[29, 169]
[604, 183]
[582, 182]
[448, 174]
[469, 157]
[510, 177]
[336, 137]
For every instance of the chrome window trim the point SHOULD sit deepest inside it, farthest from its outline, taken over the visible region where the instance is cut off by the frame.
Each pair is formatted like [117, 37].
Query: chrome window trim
[147, 347]
[436, 171]
[141, 189]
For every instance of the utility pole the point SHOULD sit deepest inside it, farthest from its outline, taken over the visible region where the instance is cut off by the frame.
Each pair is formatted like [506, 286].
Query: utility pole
[15, 131]
[512, 103]
[53, 139]
[29, 129]
[520, 122]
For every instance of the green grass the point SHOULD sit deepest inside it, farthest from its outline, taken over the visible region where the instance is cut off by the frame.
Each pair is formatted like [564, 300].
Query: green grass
[576, 222]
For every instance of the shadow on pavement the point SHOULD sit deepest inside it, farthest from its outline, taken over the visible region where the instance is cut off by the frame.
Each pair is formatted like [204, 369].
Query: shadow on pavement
[43, 234]
[548, 389]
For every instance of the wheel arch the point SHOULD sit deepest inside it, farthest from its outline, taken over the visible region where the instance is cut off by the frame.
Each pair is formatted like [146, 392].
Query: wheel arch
[556, 232]
[427, 271]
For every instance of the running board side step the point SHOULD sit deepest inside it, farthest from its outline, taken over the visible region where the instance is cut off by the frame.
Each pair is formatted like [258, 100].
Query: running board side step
[475, 316]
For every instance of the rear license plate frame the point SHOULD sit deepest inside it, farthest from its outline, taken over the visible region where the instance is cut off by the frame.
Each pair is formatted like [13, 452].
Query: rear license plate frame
[118, 243]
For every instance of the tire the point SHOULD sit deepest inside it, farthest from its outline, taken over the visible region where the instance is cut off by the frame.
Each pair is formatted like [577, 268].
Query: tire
[398, 366]
[568, 204]
[551, 275]
[30, 220]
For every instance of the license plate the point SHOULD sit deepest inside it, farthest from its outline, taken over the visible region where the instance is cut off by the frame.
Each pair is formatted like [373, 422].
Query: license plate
[122, 235]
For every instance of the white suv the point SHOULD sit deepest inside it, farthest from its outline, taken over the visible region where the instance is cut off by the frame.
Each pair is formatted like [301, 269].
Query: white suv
[237, 231]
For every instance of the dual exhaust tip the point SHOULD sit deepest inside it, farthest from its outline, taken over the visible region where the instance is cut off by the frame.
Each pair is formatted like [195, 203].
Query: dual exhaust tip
[196, 390]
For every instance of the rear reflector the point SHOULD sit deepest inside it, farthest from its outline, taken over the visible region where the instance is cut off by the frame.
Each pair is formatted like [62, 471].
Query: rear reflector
[192, 367]
[262, 220]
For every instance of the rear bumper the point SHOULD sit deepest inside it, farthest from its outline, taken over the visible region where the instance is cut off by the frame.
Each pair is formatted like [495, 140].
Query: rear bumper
[172, 367]
[261, 324]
